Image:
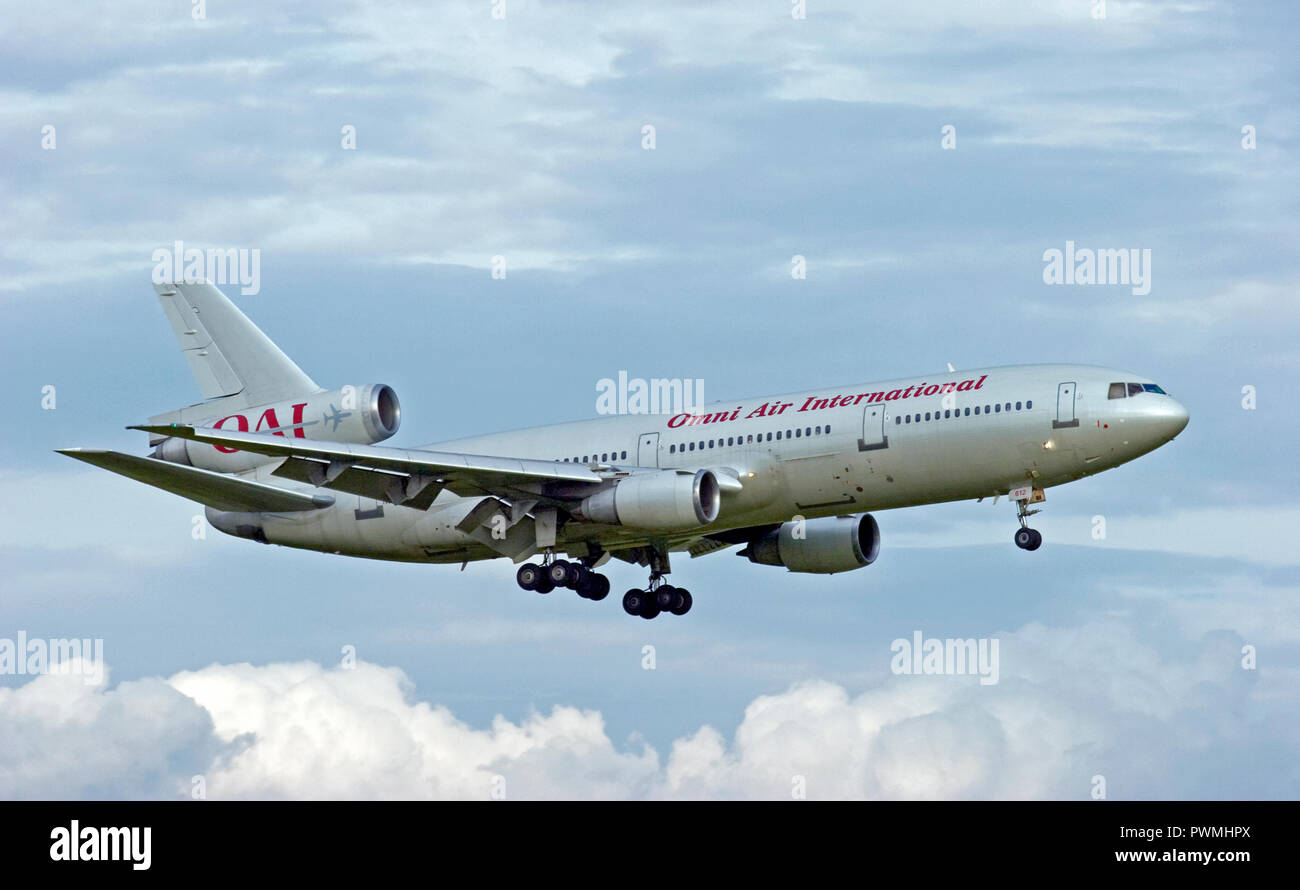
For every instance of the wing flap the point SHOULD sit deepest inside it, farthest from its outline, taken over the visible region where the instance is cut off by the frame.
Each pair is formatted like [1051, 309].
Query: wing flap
[213, 489]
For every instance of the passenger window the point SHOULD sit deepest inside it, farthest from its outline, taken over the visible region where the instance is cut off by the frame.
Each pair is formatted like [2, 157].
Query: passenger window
[624, 457]
[807, 431]
[1017, 406]
[604, 458]
[798, 433]
[927, 415]
[769, 437]
[692, 446]
[672, 449]
[750, 440]
[1028, 405]
[778, 435]
[828, 430]
[977, 409]
[986, 409]
[1134, 388]
[909, 418]
[968, 412]
[897, 420]
[819, 431]
[1008, 406]
[787, 434]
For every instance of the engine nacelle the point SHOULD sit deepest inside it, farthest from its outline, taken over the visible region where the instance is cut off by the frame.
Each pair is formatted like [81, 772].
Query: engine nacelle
[822, 546]
[360, 415]
[662, 500]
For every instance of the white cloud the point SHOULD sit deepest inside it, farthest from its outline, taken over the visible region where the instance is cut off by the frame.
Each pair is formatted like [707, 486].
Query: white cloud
[1071, 704]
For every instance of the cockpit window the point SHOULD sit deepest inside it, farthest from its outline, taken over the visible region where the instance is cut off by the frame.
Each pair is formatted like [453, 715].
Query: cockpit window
[1134, 389]
[1117, 391]
[1151, 387]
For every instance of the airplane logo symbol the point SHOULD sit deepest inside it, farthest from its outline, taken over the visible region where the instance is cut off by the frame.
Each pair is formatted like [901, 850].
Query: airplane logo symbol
[336, 418]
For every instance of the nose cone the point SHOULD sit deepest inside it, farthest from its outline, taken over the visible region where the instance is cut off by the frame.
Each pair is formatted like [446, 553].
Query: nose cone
[1166, 419]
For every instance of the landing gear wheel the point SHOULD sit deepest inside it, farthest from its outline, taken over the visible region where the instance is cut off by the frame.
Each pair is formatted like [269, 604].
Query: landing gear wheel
[650, 610]
[596, 587]
[528, 576]
[544, 585]
[581, 575]
[683, 602]
[1028, 538]
[665, 598]
[561, 573]
[634, 601]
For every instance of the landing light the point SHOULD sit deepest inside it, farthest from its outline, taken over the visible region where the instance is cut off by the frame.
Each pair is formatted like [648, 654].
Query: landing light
[751, 475]
[1049, 445]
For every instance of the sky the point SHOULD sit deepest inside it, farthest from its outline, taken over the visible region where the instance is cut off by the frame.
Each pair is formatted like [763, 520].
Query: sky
[1162, 658]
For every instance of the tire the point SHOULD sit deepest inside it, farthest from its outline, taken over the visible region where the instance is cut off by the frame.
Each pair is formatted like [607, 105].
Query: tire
[1024, 538]
[560, 573]
[1038, 540]
[528, 576]
[683, 602]
[544, 585]
[579, 576]
[596, 587]
[634, 601]
[665, 598]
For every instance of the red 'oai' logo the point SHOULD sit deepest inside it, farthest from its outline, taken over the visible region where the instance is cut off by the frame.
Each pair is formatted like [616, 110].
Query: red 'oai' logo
[268, 420]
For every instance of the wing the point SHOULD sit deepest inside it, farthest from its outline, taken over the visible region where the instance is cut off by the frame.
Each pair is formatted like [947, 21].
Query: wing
[409, 477]
[213, 489]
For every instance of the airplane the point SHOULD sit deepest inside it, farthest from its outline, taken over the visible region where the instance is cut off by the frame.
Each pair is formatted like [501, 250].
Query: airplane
[791, 479]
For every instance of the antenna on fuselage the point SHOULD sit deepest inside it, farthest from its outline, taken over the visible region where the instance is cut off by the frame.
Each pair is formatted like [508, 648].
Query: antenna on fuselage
[951, 369]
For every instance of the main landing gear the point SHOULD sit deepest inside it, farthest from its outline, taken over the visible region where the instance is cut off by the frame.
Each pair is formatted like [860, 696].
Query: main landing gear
[1027, 538]
[562, 573]
[658, 598]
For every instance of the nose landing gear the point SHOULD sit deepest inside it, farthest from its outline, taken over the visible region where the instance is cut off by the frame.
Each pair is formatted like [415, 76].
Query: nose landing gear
[1027, 538]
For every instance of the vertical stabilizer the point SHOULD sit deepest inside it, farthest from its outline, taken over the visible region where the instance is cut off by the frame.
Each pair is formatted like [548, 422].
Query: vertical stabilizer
[229, 356]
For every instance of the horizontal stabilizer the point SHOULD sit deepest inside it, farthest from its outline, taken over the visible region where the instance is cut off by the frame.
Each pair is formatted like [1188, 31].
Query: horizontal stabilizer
[216, 490]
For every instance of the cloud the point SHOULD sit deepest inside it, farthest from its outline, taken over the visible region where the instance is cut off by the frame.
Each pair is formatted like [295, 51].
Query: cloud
[1071, 704]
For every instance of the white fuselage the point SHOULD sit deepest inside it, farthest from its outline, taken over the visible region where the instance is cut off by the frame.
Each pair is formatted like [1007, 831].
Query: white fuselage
[833, 451]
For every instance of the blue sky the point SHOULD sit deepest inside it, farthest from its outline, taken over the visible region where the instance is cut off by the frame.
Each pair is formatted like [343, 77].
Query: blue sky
[774, 137]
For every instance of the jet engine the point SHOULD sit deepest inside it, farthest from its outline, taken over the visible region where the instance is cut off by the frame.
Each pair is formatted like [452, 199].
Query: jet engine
[819, 546]
[361, 415]
[657, 500]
